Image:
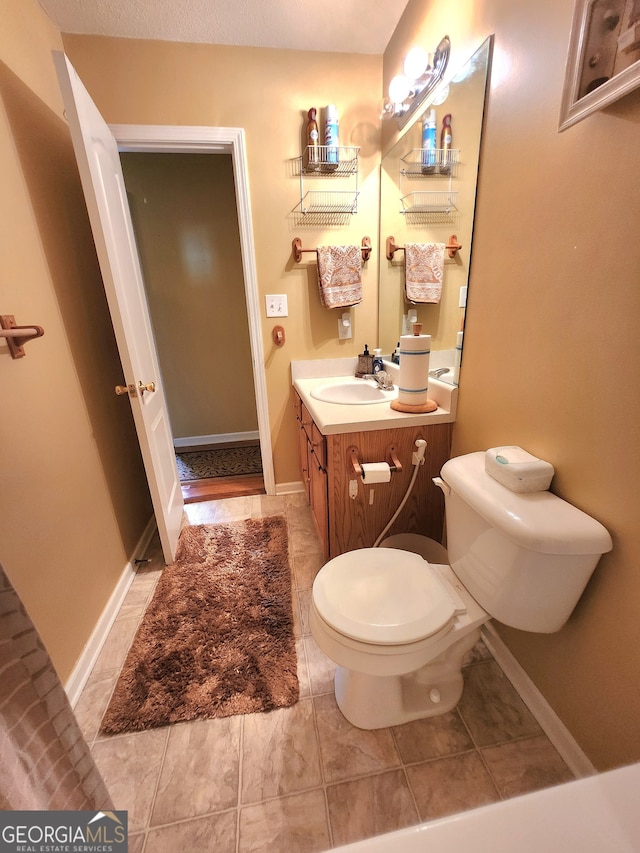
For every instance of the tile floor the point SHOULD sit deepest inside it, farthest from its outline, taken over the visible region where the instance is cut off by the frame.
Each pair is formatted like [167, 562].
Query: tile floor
[302, 778]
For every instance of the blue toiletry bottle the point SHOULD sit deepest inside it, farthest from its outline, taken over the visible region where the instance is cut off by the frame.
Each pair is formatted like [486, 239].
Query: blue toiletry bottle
[378, 364]
[429, 132]
[331, 136]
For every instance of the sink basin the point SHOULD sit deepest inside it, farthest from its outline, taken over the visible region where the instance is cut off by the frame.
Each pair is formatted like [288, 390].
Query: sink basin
[352, 392]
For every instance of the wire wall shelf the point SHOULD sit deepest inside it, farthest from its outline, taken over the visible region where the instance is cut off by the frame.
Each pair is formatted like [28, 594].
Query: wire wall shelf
[431, 163]
[321, 163]
[326, 161]
[339, 201]
[429, 202]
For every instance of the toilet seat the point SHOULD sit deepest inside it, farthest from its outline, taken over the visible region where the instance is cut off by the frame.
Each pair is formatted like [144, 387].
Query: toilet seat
[382, 596]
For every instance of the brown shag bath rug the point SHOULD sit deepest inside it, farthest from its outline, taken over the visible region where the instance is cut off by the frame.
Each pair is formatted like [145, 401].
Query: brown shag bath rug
[217, 637]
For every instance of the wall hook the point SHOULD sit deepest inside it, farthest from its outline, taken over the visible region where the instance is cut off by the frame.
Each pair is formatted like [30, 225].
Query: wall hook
[17, 336]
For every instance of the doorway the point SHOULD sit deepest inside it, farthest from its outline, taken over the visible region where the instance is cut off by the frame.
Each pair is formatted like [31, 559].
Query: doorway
[97, 147]
[183, 210]
[234, 248]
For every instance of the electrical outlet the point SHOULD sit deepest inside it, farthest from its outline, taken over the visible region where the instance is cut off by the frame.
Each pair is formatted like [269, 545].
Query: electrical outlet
[276, 304]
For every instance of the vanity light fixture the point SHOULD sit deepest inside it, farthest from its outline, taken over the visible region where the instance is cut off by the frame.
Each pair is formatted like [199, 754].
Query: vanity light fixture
[422, 72]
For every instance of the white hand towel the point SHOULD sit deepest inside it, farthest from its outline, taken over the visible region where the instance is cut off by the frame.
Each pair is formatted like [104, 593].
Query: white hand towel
[339, 275]
[424, 268]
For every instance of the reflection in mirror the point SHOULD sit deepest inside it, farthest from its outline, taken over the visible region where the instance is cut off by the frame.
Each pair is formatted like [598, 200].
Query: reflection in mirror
[426, 197]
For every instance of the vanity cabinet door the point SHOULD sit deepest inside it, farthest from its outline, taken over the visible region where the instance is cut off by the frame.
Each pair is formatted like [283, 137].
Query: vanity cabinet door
[359, 512]
[319, 445]
[319, 500]
[303, 446]
[312, 455]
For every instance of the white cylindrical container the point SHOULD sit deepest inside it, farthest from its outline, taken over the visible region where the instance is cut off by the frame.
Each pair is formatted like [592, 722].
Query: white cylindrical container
[413, 379]
[414, 369]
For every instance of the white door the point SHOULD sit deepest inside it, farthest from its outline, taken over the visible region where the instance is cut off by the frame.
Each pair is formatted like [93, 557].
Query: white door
[103, 184]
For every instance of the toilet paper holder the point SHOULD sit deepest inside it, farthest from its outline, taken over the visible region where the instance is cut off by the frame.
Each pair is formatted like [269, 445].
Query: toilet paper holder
[391, 459]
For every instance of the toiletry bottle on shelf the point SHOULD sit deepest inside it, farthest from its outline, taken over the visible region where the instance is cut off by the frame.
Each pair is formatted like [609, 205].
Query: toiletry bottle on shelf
[395, 358]
[378, 365]
[312, 157]
[429, 131]
[331, 154]
[446, 138]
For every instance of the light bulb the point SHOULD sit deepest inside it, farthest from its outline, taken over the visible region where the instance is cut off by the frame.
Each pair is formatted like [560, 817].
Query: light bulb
[399, 88]
[416, 63]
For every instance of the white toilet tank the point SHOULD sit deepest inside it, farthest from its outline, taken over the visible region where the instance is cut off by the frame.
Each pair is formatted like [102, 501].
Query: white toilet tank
[525, 557]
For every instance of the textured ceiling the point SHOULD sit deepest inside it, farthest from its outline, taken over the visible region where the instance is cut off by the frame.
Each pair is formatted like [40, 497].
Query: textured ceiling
[345, 26]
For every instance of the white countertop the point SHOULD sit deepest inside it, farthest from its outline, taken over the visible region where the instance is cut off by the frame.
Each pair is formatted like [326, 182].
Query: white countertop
[334, 418]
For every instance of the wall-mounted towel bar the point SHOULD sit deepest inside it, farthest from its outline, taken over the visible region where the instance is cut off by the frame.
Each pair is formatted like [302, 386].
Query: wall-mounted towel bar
[451, 247]
[17, 336]
[297, 249]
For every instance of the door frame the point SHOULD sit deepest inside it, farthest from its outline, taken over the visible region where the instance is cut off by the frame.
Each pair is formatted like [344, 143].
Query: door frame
[229, 140]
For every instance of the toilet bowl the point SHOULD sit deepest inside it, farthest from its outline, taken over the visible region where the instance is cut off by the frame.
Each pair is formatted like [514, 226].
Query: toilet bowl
[398, 620]
[398, 637]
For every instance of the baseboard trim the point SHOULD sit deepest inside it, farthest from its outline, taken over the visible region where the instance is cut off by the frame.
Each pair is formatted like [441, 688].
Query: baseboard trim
[289, 488]
[86, 661]
[219, 438]
[549, 722]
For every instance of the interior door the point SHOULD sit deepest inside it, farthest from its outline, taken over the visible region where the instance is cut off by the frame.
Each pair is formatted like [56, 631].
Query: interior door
[103, 184]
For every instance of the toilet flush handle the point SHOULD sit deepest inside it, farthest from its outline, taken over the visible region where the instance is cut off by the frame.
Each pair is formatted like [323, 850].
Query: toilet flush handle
[440, 483]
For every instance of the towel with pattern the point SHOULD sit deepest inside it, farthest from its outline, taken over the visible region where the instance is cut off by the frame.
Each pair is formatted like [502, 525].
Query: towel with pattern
[424, 267]
[339, 275]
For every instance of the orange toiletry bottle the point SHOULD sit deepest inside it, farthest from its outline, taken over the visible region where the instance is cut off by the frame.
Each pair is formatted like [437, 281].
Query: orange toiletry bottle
[312, 156]
[446, 138]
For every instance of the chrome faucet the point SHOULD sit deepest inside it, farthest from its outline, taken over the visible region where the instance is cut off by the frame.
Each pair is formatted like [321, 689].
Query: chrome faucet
[382, 378]
[438, 371]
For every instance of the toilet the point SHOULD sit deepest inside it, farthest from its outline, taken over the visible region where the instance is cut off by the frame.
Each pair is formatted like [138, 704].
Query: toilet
[398, 620]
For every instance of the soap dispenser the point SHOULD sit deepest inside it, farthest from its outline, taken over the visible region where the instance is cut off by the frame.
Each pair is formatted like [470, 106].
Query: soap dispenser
[378, 365]
[365, 363]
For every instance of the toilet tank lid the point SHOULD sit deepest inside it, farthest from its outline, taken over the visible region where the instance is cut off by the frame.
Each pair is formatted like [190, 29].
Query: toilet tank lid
[538, 521]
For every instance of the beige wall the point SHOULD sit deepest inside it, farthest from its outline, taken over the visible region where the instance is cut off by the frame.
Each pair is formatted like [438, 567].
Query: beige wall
[184, 213]
[551, 359]
[73, 497]
[268, 93]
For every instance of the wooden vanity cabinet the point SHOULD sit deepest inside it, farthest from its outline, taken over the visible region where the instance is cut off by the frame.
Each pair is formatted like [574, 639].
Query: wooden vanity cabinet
[312, 454]
[350, 514]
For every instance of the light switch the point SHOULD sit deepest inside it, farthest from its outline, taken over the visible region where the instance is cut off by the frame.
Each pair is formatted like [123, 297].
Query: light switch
[277, 305]
[344, 326]
[462, 301]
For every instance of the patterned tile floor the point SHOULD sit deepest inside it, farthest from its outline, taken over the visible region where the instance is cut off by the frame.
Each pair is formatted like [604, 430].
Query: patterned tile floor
[302, 778]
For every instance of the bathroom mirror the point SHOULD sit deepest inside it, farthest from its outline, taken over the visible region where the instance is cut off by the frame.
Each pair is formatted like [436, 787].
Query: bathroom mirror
[421, 202]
